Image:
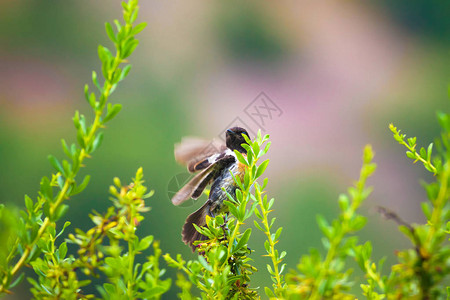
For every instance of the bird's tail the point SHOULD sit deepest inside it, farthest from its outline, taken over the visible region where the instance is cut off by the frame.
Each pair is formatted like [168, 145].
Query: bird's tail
[189, 233]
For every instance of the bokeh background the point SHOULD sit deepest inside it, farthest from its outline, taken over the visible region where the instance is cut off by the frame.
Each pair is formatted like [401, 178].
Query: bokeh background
[338, 71]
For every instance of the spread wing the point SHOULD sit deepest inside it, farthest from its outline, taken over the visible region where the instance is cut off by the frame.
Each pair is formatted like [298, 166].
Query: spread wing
[197, 154]
[194, 188]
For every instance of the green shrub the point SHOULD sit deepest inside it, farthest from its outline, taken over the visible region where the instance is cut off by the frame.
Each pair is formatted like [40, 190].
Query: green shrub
[223, 268]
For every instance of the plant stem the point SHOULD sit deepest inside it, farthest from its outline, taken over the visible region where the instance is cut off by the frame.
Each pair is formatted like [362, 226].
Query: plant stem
[130, 269]
[42, 229]
[233, 237]
[273, 257]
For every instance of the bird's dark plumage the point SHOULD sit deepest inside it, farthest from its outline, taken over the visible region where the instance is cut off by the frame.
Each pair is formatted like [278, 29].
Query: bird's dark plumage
[214, 167]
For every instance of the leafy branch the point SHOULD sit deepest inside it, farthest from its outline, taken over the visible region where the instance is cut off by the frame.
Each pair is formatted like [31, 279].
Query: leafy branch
[32, 227]
[326, 278]
[262, 210]
[100, 251]
[423, 156]
[222, 269]
[421, 269]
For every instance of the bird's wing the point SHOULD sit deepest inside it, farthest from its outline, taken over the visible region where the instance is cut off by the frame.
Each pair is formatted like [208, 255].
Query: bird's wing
[194, 152]
[194, 188]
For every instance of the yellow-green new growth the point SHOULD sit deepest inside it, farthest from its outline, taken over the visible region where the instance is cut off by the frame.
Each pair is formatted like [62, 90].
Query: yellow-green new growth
[424, 156]
[88, 139]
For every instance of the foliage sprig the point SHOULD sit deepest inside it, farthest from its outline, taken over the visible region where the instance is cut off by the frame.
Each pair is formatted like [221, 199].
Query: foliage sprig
[101, 254]
[327, 277]
[424, 155]
[38, 221]
[422, 269]
[222, 269]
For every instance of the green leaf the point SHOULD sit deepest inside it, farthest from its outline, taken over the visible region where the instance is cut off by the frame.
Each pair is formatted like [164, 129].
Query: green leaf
[237, 179]
[256, 149]
[271, 222]
[110, 32]
[239, 195]
[86, 92]
[258, 214]
[138, 28]
[109, 288]
[56, 164]
[66, 148]
[240, 158]
[232, 207]
[82, 124]
[410, 155]
[426, 210]
[145, 243]
[29, 203]
[323, 225]
[250, 158]
[76, 119]
[62, 250]
[204, 263]
[267, 246]
[66, 224]
[60, 212]
[430, 149]
[92, 101]
[282, 269]
[257, 225]
[277, 234]
[358, 223]
[406, 231]
[423, 153]
[444, 120]
[97, 141]
[129, 48]
[344, 202]
[243, 240]
[124, 72]
[261, 168]
[133, 16]
[95, 81]
[112, 111]
[118, 26]
[66, 167]
[247, 179]
[78, 189]
[269, 269]
[366, 251]
[46, 189]
[17, 281]
[47, 208]
[265, 181]
[152, 292]
[271, 202]
[266, 148]
[412, 141]
[102, 55]
[241, 208]
[269, 292]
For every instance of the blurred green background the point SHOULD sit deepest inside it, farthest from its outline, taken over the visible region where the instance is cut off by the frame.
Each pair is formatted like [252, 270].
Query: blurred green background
[340, 72]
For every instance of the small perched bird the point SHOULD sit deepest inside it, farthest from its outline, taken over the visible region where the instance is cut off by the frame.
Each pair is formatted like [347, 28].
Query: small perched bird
[214, 164]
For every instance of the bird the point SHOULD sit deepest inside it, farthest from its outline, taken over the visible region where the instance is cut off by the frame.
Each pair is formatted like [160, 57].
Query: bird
[213, 162]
